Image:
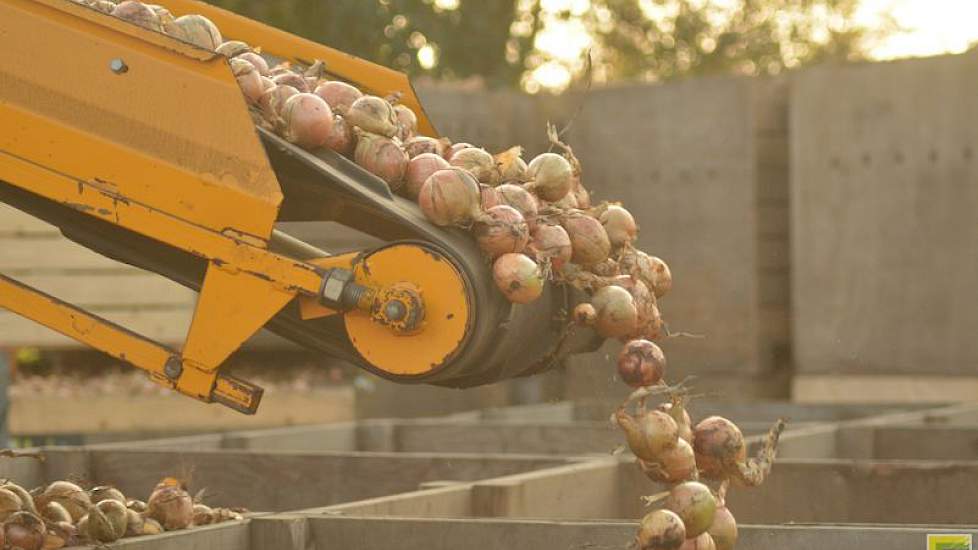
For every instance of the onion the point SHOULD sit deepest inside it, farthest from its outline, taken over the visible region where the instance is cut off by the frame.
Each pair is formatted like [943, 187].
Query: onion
[419, 145]
[511, 166]
[678, 412]
[290, 78]
[249, 80]
[619, 224]
[308, 120]
[450, 197]
[341, 138]
[200, 31]
[138, 14]
[477, 161]
[407, 122]
[718, 443]
[10, 503]
[105, 6]
[673, 465]
[648, 433]
[649, 320]
[171, 506]
[521, 200]
[550, 176]
[502, 231]
[105, 492]
[26, 500]
[256, 60]
[660, 530]
[373, 114]
[588, 239]
[607, 268]
[268, 83]
[167, 22]
[723, 529]
[381, 157]
[24, 531]
[694, 504]
[641, 363]
[584, 314]
[617, 316]
[138, 525]
[419, 169]
[55, 512]
[116, 514]
[233, 48]
[650, 270]
[490, 197]
[273, 100]
[137, 506]
[550, 243]
[455, 148]
[74, 499]
[518, 277]
[203, 515]
[569, 202]
[580, 193]
[339, 95]
[59, 535]
[702, 542]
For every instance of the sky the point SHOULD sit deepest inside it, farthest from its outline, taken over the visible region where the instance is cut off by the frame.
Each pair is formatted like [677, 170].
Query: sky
[928, 27]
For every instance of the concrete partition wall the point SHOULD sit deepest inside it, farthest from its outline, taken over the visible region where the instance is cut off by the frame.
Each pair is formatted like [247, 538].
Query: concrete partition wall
[884, 164]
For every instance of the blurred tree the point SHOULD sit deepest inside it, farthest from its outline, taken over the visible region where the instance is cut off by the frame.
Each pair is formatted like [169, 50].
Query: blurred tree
[497, 40]
[663, 39]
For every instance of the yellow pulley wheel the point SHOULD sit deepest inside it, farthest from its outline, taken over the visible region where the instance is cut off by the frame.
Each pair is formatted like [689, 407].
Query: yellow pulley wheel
[447, 311]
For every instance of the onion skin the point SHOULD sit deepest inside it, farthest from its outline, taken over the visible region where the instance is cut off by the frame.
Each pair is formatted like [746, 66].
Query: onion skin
[617, 316]
[455, 148]
[10, 504]
[308, 120]
[341, 138]
[233, 48]
[673, 465]
[694, 504]
[677, 410]
[420, 145]
[518, 278]
[702, 542]
[724, 529]
[520, 199]
[407, 122]
[450, 197]
[511, 166]
[419, 169]
[26, 500]
[171, 506]
[660, 530]
[200, 31]
[580, 193]
[619, 225]
[588, 239]
[382, 157]
[249, 80]
[502, 231]
[490, 197]
[649, 433]
[373, 114]
[478, 162]
[138, 13]
[339, 95]
[291, 79]
[203, 515]
[641, 363]
[257, 61]
[550, 243]
[550, 176]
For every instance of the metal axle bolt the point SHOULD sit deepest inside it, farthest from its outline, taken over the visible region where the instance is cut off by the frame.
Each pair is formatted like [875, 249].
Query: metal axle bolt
[118, 66]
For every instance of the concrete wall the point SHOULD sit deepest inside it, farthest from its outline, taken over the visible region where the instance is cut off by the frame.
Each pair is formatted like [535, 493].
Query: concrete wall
[884, 196]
